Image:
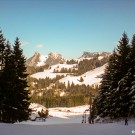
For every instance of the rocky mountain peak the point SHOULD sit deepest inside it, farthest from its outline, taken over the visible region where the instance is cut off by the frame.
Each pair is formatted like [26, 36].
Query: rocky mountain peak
[33, 60]
[54, 58]
[51, 59]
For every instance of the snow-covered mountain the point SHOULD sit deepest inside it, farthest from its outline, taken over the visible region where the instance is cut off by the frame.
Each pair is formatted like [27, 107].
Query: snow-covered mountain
[40, 60]
[54, 58]
[57, 63]
[33, 60]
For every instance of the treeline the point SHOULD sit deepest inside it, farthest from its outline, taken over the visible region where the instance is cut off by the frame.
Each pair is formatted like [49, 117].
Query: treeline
[14, 93]
[37, 84]
[66, 70]
[49, 94]
[34, 69]
[84, 66]
[117, 93]
[87, 65]
[65, 101]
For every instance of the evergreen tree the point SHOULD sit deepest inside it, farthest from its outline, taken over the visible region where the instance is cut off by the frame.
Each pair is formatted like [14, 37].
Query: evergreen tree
[131, 72]
[21, 98]
[104, 100]
[123, 66]
[108, 102]
[7, 81]
[126, 90]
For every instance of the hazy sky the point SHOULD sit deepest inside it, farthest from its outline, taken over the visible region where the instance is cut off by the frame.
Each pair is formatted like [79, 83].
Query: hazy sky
[68, 27]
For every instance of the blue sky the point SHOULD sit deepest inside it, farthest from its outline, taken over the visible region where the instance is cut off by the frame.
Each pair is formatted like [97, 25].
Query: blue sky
[68, 27]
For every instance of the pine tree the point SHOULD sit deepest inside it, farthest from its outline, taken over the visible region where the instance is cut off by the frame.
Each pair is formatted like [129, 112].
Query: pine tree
[7, 81]
[123, 66]
[108, 102]
[104, 100]
[21, 93]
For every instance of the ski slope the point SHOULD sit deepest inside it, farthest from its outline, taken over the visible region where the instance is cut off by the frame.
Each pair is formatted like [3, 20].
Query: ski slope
[66, 121]
[42, 128]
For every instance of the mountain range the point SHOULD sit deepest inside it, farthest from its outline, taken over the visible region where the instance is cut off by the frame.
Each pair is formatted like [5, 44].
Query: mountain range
[57, 62]
[54, 58]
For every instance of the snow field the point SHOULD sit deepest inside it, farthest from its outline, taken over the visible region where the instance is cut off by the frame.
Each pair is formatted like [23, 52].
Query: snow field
[66, 121]
[90, 78]
[66, 129]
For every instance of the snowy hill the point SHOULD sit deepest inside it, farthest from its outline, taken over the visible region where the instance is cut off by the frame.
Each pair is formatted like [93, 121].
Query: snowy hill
[90, 78]
[50, 72]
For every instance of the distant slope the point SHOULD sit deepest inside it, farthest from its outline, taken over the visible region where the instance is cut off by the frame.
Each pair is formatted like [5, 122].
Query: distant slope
[90, 78]
[49, 72]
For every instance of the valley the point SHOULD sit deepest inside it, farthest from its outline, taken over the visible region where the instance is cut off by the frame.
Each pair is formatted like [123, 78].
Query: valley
[65, 82]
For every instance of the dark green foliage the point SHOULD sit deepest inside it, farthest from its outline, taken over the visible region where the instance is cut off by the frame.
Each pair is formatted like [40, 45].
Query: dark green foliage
[50, 96]
[2, 51]
[132, 72]
[104, 91]
[32, 69]
[117, 92]
[13, 85]
[94, 109]
[91, 64]
[20, 88]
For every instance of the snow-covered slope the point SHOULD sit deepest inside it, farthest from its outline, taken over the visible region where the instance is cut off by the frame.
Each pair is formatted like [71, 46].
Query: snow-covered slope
[49, 72]
[90, 78]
